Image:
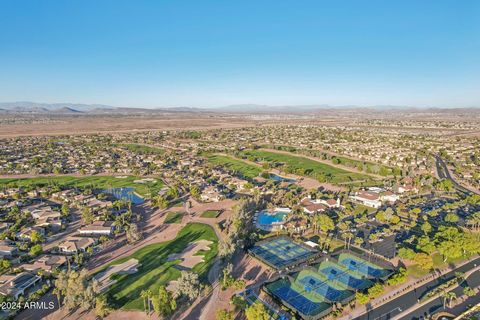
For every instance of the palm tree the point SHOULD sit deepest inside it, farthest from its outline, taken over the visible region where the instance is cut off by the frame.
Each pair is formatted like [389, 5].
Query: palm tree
[144, 296]
[453, 297]
[149, 296]
[347, 236]
[358, 241]
[448, 296]
[57, 292]
[474, 221]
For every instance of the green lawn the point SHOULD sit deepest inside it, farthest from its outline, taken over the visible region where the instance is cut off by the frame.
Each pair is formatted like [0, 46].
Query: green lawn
[174, 217]
[142, 149]
[245, 169]
[100, 182]
[155, 271]
[305, 167]
[360, 208]
[211, 214]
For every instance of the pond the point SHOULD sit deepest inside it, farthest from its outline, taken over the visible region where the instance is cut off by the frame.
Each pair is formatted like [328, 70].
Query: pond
[276, 177]
[125, 194]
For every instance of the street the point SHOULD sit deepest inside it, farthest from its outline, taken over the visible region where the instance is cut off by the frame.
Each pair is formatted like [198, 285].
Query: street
[391, 308]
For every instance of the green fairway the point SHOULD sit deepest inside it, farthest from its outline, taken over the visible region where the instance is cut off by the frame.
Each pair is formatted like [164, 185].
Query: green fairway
[211, 214]
[305, 167]
[155, 271]
[174, 217]
[368, 166]
[98, 182]
[245, 169]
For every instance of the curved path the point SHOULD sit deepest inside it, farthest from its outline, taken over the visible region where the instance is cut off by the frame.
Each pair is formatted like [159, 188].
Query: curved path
[444, 173]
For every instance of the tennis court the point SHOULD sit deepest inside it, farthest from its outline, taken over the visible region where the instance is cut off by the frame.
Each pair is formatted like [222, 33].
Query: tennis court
[315, 289]
[281, 252]
[318, 283]
[293, 297]
[362, 266]
[350, 278]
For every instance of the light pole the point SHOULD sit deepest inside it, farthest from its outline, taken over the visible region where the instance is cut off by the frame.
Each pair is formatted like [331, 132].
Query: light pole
[387, 313]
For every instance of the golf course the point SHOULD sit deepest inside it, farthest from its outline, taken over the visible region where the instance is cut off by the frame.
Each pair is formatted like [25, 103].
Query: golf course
[155, 270]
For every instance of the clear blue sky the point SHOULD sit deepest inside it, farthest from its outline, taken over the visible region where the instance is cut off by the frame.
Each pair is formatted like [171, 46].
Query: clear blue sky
[213, 53]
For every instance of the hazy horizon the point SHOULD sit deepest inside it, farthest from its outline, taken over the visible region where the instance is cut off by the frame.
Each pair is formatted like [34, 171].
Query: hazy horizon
[213, 54]
[54, 105]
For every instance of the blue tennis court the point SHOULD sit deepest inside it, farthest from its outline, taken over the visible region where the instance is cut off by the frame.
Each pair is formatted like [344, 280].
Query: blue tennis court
[299, 301]
[321, 287]
[281, 252]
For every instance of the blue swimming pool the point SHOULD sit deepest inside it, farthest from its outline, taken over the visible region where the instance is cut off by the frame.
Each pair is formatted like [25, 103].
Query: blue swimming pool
[265, 217]
[125, 194]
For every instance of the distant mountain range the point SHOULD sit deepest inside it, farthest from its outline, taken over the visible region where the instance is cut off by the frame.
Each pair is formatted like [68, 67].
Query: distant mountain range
[45, 107]
[76, 108]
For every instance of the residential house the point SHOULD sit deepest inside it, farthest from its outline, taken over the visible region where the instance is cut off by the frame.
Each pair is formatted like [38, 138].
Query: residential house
[98, 228]
[15, 285]
[42, 211]
[47, 263]
[73, 245]
[26, 233]
[312, 206]
[7, 248]
[407, 188]
[55, 223]
[96, 204]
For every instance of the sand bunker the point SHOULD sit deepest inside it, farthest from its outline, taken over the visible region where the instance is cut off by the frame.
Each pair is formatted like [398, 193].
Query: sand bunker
[188, 256]
[128, 267]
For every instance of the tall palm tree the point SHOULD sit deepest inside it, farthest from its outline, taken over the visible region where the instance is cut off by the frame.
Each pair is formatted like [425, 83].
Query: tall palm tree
[149, 296]
[347, 236]
[453, 297]
[57, 293]
[448, 296]
[144, 296]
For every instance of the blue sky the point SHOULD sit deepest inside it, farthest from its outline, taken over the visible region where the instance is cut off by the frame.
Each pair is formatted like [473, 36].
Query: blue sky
[214, 53]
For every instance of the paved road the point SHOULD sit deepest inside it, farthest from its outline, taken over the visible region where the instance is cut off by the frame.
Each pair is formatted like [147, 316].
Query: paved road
[473, 281]
[444, 173]
[395, 307]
